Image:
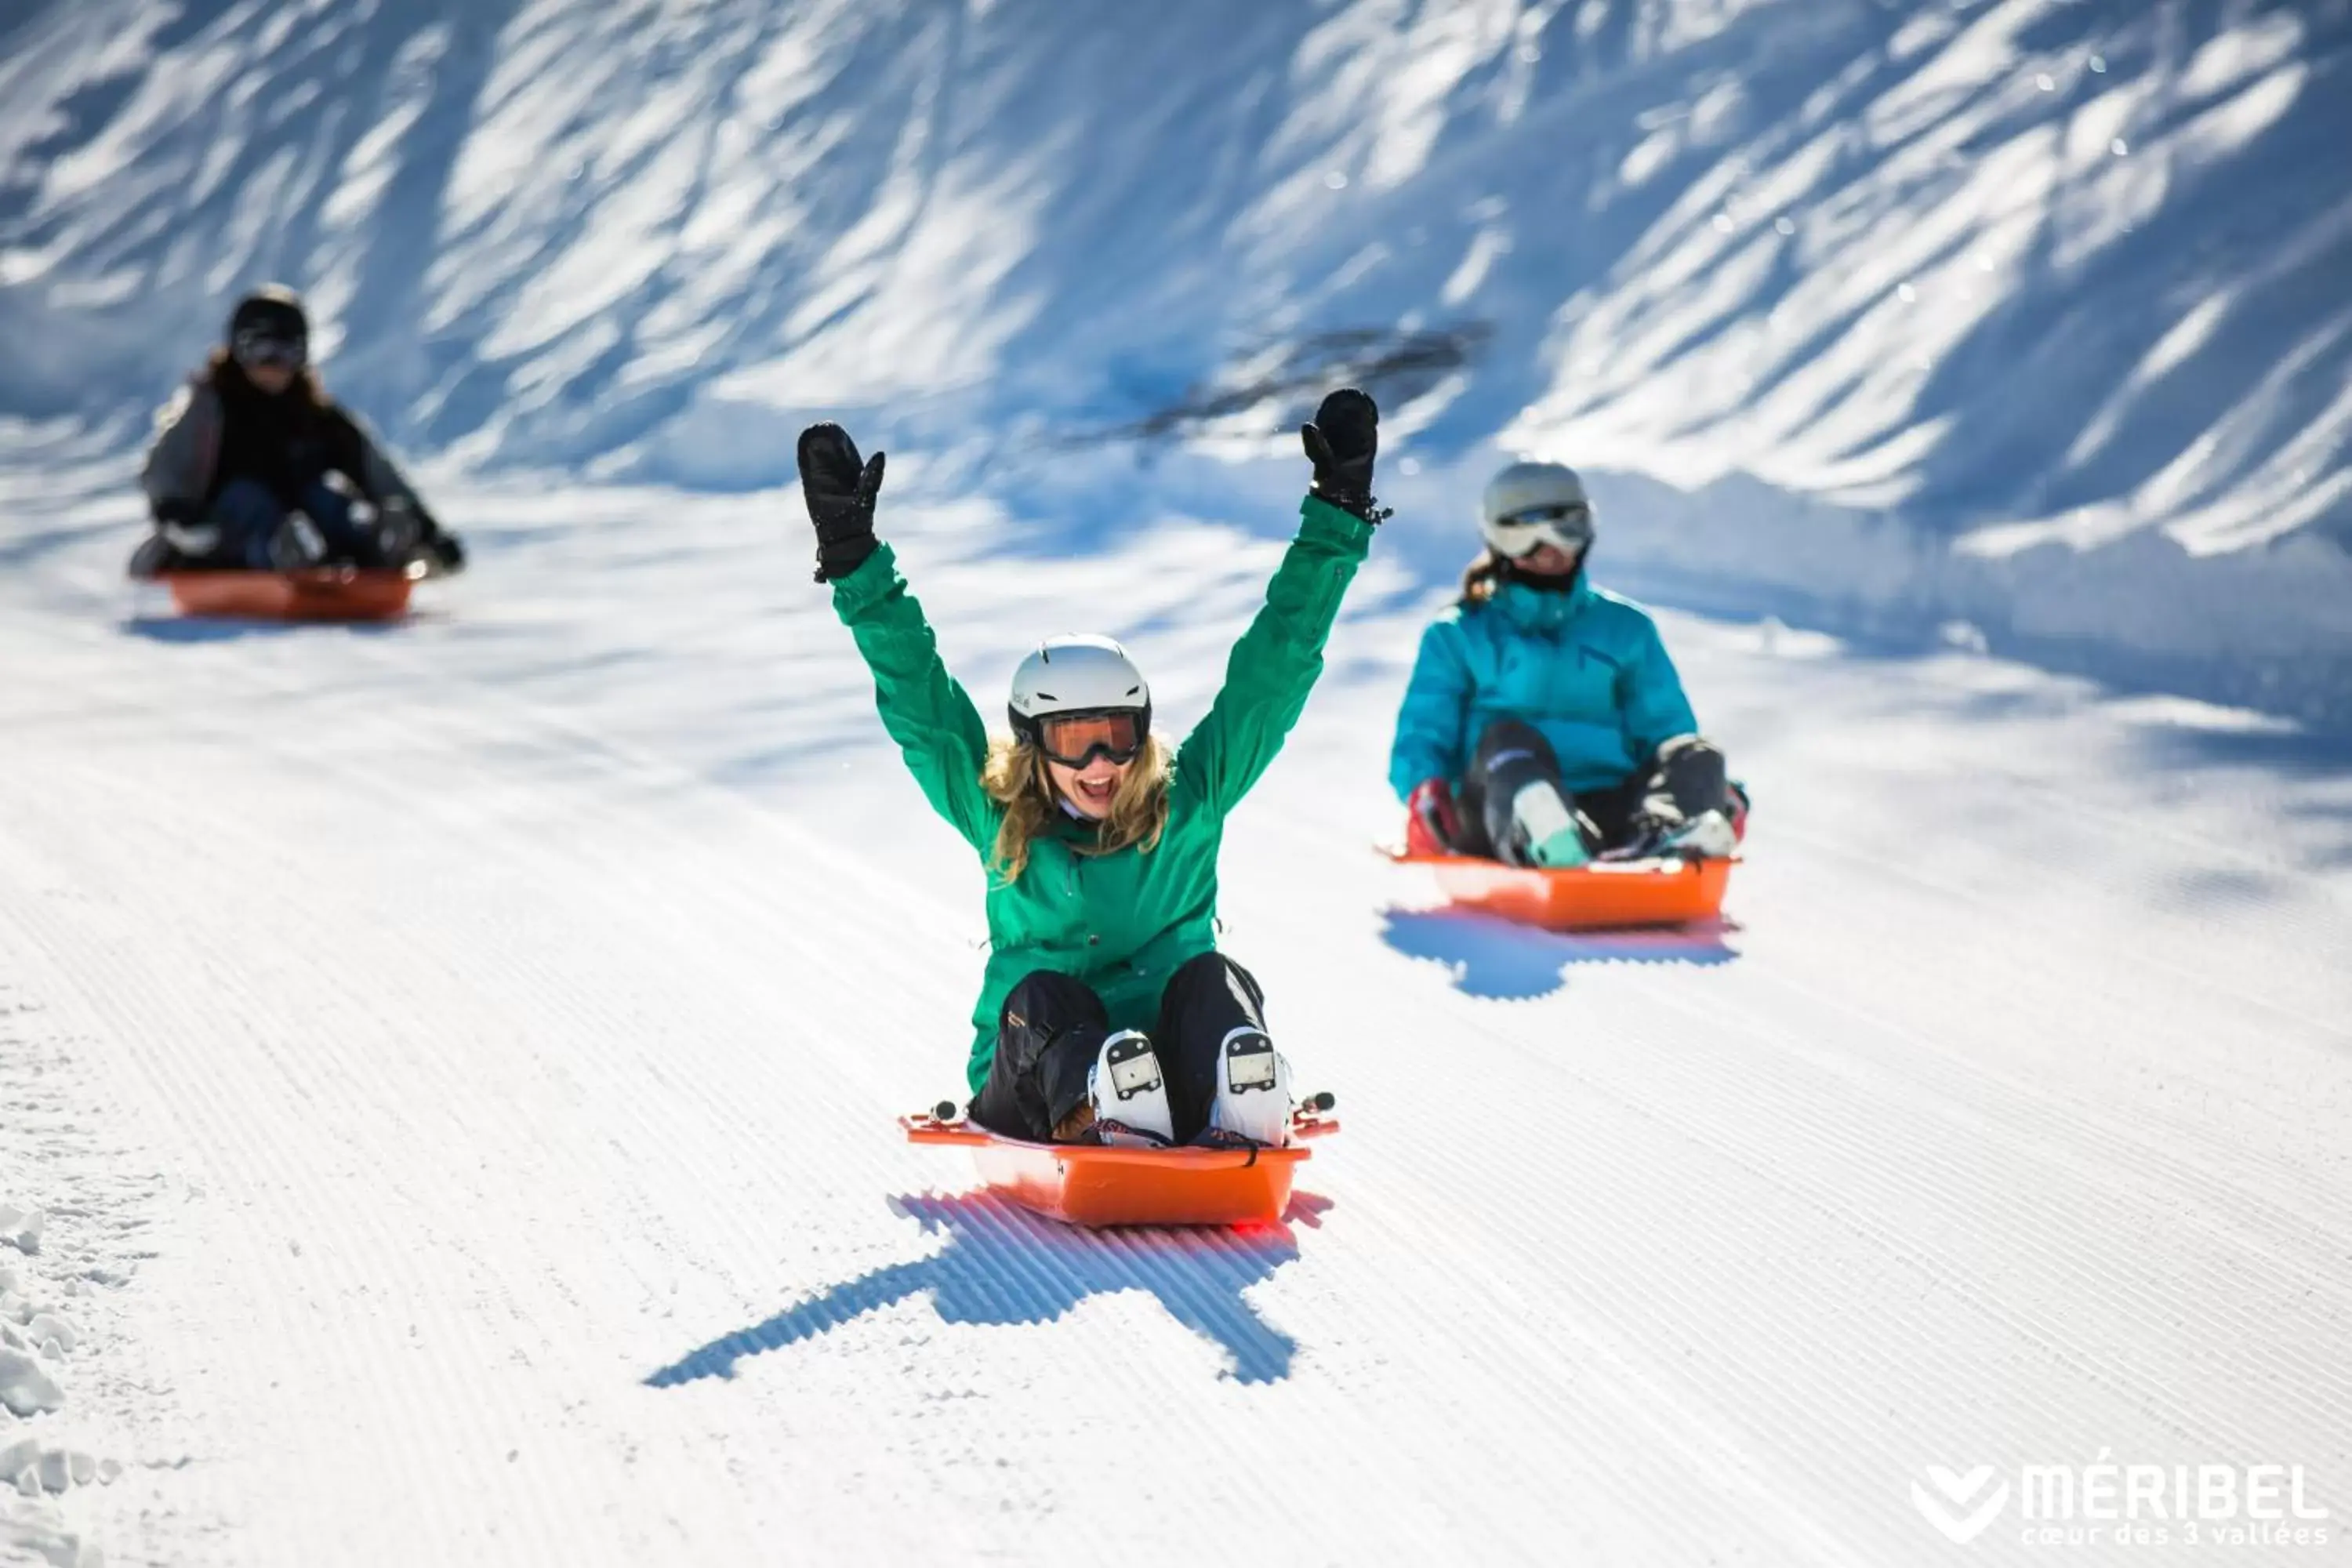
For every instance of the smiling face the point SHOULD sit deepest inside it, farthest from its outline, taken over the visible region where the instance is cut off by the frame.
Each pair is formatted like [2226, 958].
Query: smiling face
[1089, 789]
[271, 378]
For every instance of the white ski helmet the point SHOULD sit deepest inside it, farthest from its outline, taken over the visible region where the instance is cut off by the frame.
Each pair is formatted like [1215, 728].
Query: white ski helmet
[1529, 504]
[1078, 672]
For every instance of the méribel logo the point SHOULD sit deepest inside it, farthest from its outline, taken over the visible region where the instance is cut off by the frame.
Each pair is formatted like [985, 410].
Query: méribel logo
[1959, 1505]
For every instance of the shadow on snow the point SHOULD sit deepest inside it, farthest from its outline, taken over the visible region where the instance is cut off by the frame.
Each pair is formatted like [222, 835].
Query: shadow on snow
[1003, 1265]
[1505, 961]
[179, 628]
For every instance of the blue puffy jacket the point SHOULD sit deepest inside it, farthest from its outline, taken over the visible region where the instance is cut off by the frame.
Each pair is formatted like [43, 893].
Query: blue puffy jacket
[1586, 668]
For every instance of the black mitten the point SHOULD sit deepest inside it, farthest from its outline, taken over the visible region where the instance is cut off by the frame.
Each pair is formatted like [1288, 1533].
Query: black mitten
[1340, 443]
[840, 493]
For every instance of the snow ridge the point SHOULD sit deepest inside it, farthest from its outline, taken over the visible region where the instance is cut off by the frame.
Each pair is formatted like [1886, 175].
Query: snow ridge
[2023, 314]
[52, 1268]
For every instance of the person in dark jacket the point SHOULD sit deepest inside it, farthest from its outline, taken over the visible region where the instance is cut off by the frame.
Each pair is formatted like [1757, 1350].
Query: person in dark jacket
[255, 466]
[1544, 723]
[1108, 1015]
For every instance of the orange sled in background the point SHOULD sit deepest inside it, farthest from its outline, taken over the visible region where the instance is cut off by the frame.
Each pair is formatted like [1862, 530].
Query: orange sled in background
[315, 594]
[1601, 896]
[1092, 1184]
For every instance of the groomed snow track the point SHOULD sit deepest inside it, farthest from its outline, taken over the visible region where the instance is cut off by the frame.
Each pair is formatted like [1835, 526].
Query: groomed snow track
[464, 1056]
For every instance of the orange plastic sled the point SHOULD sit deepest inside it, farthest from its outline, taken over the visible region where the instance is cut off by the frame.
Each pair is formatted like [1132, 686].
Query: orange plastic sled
[1605, 895]
[317, 593]
[1085, 1184]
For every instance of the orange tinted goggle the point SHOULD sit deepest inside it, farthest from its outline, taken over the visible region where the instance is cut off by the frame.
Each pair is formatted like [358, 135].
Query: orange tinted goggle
[1073, 739]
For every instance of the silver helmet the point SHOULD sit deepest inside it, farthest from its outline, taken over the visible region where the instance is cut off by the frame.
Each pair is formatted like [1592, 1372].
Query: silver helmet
[1529, 504]
[1073, 675]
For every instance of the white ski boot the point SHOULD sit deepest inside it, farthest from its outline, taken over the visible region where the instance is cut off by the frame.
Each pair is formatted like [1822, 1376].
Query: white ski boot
[1550, 830]
[1253, 1090]
[1131, 1093]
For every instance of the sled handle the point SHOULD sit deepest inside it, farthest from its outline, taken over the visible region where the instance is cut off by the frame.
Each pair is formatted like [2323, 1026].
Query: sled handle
[930, 1127]
[1313, 1119]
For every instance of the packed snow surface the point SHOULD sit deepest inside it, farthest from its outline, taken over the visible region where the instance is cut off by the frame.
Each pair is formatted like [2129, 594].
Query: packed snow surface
[447, 1070]
[461, 1062]
[2029, 314]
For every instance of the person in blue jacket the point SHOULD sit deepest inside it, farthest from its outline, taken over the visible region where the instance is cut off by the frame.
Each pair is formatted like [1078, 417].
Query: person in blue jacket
[1544, 723]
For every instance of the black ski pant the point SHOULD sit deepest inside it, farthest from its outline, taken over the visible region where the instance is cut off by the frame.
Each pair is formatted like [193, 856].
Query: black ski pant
[1686, 777]
[1052, 1028]
[248, 519]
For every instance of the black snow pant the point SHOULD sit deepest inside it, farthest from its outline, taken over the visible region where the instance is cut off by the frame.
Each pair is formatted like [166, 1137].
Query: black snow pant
[1686, 777]
[1053, 1026]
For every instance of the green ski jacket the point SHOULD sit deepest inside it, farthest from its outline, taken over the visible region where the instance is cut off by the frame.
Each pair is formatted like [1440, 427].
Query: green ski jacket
[1121, 923]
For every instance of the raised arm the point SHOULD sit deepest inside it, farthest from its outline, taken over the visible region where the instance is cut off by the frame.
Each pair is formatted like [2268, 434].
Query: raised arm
[924, 707]
[1274, 666]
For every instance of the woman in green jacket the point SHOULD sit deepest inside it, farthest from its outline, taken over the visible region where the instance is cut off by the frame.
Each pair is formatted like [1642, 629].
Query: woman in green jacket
[1107, 1015]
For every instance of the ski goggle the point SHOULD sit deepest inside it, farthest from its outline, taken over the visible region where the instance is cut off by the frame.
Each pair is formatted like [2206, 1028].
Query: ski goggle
[1567, 524]
[1073, 740]
[256, 348]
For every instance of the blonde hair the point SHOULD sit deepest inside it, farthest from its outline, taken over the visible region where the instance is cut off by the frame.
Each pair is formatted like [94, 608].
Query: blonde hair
[1016, 778]
[1481, 578]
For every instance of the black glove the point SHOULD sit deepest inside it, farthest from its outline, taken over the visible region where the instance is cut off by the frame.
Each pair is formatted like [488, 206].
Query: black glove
[840, 494]
[448, 550]
[1341, 442]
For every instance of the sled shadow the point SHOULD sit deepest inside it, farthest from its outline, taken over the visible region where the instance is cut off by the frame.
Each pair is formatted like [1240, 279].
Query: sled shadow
[1004, 1265]
[174, 629]
[1505, 961]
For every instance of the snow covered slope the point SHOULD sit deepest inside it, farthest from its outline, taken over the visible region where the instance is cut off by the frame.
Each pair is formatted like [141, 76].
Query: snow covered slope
[2019, 312]
[461, 1060]
[447, 1071]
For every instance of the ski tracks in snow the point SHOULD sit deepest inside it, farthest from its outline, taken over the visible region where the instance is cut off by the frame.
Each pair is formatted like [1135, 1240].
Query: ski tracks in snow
[519, 1104]
[1894, 1170]
[366, 1137]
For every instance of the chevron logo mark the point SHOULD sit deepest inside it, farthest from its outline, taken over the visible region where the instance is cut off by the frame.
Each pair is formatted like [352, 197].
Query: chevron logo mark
[1959, 1505]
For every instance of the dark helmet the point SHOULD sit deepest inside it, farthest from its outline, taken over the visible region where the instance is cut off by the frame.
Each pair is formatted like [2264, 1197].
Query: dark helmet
[271, 314]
